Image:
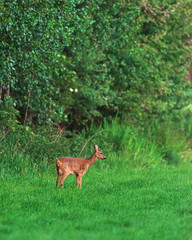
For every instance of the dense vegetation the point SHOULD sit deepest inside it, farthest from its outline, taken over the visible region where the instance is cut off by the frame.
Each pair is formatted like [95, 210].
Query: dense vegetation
[34, 152]
[74, 73]
[77, 61]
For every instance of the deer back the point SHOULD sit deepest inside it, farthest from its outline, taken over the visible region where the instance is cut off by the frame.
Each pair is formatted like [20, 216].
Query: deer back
[71, 165]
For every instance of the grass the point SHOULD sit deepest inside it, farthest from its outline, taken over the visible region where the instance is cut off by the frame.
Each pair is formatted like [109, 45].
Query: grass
[142, 191]
[112, 204]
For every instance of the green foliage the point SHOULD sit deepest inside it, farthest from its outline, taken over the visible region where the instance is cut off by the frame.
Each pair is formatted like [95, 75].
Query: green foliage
[150, 146]
[35, 151]
[33, 36]
[26, 150]
[77, 61]
[8, 115]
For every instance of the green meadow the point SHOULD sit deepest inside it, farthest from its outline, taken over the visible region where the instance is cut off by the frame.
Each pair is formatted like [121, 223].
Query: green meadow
[115, 204]
[141, 191]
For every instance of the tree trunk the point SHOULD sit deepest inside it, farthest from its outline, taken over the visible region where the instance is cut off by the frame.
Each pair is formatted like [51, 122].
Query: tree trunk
[2, 92]
[28, 101]
[8, 90]
[27, 108]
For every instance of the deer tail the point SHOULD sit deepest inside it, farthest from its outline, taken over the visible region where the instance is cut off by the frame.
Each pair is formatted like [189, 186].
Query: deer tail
[58, 163]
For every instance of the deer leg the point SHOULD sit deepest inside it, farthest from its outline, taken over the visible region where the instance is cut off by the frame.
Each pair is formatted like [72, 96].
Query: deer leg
[77, 180]
[58, 176]
[63, 179]
[80, 180]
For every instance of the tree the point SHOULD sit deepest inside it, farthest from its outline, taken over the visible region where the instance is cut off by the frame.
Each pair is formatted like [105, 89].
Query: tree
[78, 61]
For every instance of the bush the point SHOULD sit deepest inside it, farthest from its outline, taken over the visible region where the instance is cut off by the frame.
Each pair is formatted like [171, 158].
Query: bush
[78, 61]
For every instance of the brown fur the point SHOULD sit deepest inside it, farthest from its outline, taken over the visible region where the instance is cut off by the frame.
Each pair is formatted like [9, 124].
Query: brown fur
[78, 166]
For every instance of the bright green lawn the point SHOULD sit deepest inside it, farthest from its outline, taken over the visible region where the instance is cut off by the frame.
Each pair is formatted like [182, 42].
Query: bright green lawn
[135, 204]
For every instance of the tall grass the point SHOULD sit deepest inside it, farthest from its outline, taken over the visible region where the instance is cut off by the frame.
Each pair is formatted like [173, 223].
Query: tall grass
[150, 146]
[30, 151]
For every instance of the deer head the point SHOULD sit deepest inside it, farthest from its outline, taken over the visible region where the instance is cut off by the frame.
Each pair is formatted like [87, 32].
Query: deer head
[99, 153]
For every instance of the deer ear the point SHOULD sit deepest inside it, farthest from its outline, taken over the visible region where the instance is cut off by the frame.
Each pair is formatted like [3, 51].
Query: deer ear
[96, 147]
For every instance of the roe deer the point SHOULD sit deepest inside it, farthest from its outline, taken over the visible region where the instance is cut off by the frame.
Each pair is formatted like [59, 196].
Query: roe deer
[77, 166]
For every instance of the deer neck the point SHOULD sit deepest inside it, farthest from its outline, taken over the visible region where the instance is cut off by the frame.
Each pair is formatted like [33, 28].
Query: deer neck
[92, 159]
